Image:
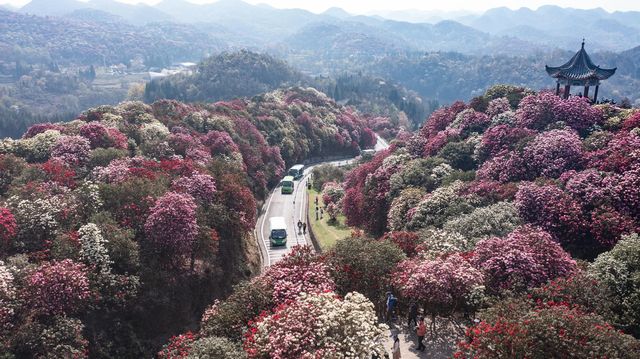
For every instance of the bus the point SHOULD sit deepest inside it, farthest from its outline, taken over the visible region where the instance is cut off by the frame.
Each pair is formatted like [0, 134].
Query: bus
[286, 186]
[296, 171]
[277, 231]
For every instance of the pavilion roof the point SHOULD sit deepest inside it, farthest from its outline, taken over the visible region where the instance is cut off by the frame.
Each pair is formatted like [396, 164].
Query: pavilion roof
[580, 67]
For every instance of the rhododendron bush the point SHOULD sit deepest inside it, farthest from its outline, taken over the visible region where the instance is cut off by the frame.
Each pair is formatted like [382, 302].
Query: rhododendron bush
[527, 257]
[318, 326]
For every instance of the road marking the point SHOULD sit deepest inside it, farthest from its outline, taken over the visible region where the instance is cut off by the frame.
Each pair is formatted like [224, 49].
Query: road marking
[264, 217]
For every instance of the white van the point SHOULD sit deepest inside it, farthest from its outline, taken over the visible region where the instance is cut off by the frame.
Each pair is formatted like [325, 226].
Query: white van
[277, 231]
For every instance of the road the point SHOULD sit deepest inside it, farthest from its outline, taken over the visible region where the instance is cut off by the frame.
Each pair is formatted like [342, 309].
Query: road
[292, 208]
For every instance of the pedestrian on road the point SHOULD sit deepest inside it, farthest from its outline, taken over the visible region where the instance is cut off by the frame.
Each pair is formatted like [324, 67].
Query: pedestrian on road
[316, 213]
[316, 203]
[304, 227]
[413, 315]
[421, 332]
[321, 212]
[395, 350]
[299, 226]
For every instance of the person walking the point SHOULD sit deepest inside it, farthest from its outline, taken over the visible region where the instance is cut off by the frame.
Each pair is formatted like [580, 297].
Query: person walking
[413, 315]
[299, 226]
[391, 306]
[304, 227]
[395, 350]
[421, 332]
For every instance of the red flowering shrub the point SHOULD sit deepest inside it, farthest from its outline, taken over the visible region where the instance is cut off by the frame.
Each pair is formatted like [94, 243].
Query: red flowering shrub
[442, 285]
[178, 346]
[60, 172]
[528, 257]
[607, 226]
[441, 119]
[552, 209]
[508, 167]
[553, 152]
[407, 241]
[96, 133]
[8, 226]
[171, 225]
[557, 332]
[578, 113]
[491, 191]
[58, 287]
[579, 291]
[631, 122]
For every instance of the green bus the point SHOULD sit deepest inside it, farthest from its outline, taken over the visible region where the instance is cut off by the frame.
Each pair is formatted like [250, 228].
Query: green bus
[277, 231]
[296, 171]
[287, 185]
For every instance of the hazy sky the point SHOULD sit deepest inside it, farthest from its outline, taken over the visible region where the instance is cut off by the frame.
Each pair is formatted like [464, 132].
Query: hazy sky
[364, 6]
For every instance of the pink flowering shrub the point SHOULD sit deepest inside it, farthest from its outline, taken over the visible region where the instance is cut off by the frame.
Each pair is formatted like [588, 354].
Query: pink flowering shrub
[552, 209]
[528, 257]
[590, 187]
[172, 226]
[299, 272]
[508, 167]
[554, 152]
[620, 153]
[8, 226]
[539, 111]
[442, 285]
[72, 150]
[58, 287]
[502, 138]
[102, 136]
[332, 193]
[220, 143]
[627, 190]
[178, 346]
[200, 186]
[498, 106]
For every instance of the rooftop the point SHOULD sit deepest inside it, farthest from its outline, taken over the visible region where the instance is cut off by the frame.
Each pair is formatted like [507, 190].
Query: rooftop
[580, 67]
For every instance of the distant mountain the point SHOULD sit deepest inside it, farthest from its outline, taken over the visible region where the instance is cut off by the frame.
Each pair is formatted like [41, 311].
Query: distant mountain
[94, 15]
[35, 39]
[135, 14]
[52, 8]
[562, 27]
[337, 13]
[7, 7]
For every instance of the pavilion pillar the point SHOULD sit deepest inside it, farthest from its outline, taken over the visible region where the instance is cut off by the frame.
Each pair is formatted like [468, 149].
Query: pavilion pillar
[595, 95]
[586, 91]
[567, 88]
[557, 88]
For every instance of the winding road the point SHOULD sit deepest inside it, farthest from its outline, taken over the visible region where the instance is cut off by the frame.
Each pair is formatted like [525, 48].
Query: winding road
[292, 208]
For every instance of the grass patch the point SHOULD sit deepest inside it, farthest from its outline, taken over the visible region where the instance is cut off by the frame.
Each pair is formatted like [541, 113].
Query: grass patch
[326, 233]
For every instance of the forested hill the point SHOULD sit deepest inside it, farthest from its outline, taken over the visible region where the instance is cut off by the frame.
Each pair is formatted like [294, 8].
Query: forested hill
[226, 76]
[118, 228]
[35, 39]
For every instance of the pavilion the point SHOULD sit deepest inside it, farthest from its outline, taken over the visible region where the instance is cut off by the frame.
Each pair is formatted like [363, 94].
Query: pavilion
[579, 71]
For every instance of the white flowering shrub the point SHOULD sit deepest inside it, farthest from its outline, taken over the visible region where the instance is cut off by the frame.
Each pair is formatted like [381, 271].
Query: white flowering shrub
[93, 248]
[438, 207]
[436, 242]
[38, 148]
[495, 220]
[318, 326]
[153, 132]
[38, 219]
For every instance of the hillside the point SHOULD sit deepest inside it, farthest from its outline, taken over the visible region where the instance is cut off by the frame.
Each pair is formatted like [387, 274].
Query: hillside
[149, 215]
[35, 39]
